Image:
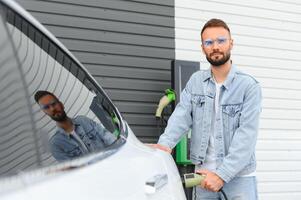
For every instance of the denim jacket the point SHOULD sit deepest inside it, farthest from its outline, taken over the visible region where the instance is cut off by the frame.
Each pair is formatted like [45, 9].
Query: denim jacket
[236, 123]
[94, 136]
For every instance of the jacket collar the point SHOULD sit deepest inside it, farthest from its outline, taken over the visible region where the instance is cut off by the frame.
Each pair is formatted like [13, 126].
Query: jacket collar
[231, 75]
[62, 131]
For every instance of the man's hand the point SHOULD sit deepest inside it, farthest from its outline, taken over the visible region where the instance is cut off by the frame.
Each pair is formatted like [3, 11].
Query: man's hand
[212, 182]
[161, 147]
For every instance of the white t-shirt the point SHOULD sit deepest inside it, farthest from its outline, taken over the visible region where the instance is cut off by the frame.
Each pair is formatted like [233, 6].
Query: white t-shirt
[82, 144]
[210, 161]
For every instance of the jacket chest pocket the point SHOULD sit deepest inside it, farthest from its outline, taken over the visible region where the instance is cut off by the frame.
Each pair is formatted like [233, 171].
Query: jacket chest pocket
[91, 134]
[198, 104]
[90, 138]
[231, 115]
[94, 140]
[73, 151]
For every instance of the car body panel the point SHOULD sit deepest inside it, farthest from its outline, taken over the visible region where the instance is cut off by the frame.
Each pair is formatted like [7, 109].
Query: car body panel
[120, 176]
[118, 172]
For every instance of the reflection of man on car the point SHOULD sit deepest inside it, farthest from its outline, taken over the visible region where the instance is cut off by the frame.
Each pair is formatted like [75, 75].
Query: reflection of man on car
[74, 137]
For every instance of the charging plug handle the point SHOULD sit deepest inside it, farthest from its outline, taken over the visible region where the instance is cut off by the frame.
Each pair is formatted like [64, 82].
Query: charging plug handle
[193, 179]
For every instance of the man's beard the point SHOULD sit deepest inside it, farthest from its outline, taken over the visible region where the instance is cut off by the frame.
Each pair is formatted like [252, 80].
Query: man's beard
[219, 62]
[60, 118]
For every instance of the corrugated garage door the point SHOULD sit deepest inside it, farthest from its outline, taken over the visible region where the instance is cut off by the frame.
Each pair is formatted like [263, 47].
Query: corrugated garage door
[128, 47]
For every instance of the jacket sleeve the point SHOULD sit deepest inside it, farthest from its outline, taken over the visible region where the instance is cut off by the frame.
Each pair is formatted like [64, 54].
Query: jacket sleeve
[107, 137]
[180, 121]
[244, 140]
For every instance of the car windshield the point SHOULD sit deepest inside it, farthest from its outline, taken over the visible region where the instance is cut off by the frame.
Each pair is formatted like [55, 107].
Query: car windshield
[29, 137]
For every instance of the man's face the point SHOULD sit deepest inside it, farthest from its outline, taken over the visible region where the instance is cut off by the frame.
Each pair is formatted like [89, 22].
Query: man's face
[53, 108]
[217, 45]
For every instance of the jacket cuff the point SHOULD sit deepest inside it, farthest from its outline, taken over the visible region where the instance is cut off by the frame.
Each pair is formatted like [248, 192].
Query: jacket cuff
[224, 174]
[166, 144]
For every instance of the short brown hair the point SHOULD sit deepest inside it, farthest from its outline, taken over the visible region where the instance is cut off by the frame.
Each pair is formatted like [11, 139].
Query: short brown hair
[39, 94]
[215, 23]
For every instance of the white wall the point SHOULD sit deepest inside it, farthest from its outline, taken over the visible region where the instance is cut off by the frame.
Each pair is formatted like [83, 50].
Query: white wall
[267, 44]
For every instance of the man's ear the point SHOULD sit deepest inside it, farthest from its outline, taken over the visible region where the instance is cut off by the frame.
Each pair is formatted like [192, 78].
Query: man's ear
[231, 44]
[40, 106]
[202, 47]
[203, 51]
[62, 105]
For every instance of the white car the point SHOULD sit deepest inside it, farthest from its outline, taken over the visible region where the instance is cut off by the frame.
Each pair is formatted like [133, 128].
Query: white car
[33, 59]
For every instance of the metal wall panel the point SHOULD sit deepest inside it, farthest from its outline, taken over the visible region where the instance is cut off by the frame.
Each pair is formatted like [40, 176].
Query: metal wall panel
[128, 47]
